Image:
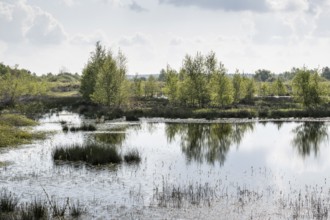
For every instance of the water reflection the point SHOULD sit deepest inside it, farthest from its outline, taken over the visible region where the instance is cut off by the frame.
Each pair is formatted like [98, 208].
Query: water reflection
[309, 136]
[111, 138]
[210, 142]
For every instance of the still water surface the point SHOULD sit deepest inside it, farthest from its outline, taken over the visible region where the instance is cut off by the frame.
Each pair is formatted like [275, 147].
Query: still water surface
[244, 170]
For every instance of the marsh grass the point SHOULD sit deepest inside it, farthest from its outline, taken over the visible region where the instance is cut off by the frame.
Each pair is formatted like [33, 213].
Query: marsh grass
[76, 210]
[16, 120]
[132, 156]
[177, 196]
[84, 127]
[94, 154]
[59, 209]
[12, 135]
[35, 210]
[8, 201]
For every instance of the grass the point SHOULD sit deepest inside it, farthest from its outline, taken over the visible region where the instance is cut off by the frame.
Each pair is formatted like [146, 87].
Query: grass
[38, 209]
[12, 135]
[58, 210]
[132, 156]
[8, 202]
[16, 120]
[76, 210]
[177, 196]
[94, 154]
[84, 127]
[34, 210]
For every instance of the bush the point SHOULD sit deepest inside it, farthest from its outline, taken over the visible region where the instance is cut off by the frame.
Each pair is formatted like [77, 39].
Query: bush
[94, 154]
[132, 156]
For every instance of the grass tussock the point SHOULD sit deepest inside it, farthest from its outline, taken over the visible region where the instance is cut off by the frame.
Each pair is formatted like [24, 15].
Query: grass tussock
[132, 156]
[59, 209]
[34, 210]
[93, 154]
[12, 135]
[84, 127]
[8, 201]
[16, 120]
[76, 210]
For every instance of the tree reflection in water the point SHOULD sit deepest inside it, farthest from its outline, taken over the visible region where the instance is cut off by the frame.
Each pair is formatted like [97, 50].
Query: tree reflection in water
[210, 142]
[116, 136]
[309, 136]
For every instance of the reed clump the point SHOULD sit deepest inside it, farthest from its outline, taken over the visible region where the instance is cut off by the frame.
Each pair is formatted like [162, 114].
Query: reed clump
[94, 154]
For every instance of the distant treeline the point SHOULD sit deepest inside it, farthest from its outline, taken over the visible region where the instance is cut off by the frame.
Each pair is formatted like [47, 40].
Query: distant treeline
[202, 81]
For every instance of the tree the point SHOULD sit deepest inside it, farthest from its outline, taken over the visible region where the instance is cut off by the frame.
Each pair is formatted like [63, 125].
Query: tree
[221, 87]
[171, 88]
[150, 88]
[238, 87]
[326, 73]
[197, 79]
[263, 75]
[278, 87]
[138, 86]
[162, 76]
[111, 84]
[306, 88]
[91, 71]
[249, 88]
[263, 89]
[16, 83]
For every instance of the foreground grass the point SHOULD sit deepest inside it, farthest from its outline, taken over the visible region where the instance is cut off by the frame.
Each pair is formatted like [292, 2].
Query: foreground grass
[37, 209]
[94, 154]
[12, 135]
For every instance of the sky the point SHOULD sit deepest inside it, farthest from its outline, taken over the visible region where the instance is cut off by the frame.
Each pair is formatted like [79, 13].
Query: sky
[58, 35]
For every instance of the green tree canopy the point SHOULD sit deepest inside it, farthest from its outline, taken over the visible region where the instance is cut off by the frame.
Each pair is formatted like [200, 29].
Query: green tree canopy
[91, 71]
[307, 88]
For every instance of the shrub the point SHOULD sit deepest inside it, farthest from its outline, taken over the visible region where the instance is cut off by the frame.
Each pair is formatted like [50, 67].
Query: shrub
[132, 156]
[94, 154]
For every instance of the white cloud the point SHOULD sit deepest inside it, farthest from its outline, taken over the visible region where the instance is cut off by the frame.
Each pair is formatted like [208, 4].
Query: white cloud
[232, 5]
[22, 22]
[136, 7]
[88, 39]
[45, 29]
[137, 39]
[176, 41]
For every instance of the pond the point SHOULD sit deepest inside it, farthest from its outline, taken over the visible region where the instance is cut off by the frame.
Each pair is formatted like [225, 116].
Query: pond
[189, 170]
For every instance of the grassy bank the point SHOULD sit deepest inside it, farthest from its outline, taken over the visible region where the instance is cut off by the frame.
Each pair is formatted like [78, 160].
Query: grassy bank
[261, 107]
[11, 132]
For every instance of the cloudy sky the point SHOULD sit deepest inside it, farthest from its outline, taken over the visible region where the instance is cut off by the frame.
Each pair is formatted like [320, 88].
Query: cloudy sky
[52, 35]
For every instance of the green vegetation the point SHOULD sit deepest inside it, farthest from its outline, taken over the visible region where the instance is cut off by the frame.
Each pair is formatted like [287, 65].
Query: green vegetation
[201, 84]
[132, 156]
[84, 127]
[37, 209]
[8, 202]
[94, 154]
[12, 135]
